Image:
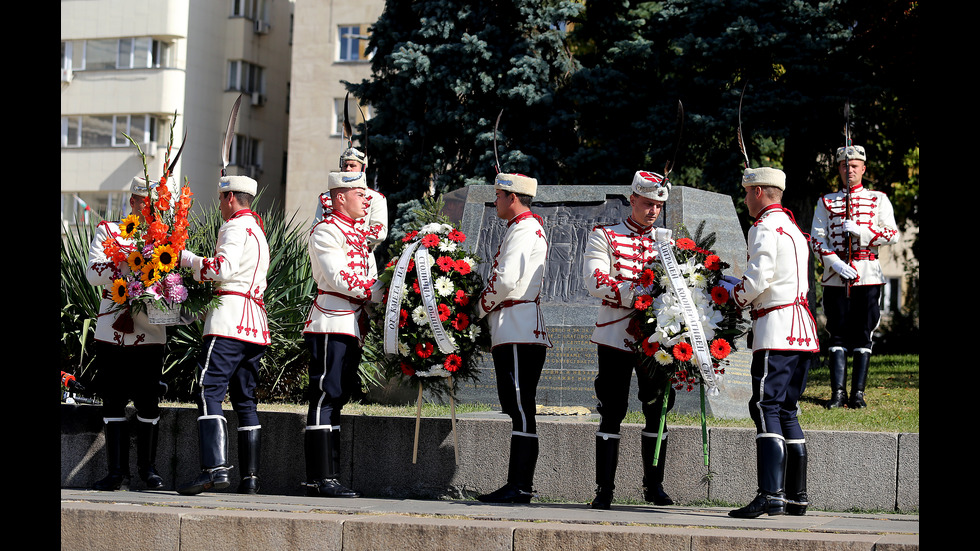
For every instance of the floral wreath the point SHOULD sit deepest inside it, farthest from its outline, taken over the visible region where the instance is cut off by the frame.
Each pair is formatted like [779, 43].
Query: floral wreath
[456, 288]
[662, 338]
[155, 276]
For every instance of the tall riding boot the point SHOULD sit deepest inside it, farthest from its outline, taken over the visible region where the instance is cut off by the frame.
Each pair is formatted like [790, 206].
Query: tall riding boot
[796, 498]
[322, 463]
[653, 476]
[771, 472]
[520, 472]
[838, 373]
[249, 452]
[147, 434]
[859, 376]
[212, 433]
[606, 461]
[117, 454]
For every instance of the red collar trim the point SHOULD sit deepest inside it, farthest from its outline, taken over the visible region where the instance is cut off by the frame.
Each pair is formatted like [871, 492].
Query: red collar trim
[635, 226]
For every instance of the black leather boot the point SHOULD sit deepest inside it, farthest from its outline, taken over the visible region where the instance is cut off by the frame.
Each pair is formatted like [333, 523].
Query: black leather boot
[859, 376]
[838, 373]
[520, 472]
[796, 498]
[771, 473]
[213, 440]
[249, 452]
[321, 447]
[147, 434]
[117, 455]
[606, 461]
[653, 476]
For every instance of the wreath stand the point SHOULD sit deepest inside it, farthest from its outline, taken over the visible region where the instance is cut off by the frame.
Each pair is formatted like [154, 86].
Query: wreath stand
[418, 420]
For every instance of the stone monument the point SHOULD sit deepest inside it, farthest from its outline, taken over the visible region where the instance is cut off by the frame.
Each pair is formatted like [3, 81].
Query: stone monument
[570, 213]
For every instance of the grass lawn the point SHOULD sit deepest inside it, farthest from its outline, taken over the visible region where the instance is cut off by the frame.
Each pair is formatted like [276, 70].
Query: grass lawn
[892, 394]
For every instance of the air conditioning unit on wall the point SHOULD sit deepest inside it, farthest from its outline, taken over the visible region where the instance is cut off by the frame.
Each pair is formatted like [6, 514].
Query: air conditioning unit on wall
[258, 100]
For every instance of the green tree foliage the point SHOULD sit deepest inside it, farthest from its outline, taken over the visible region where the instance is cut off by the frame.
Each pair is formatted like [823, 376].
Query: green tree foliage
[442, 72]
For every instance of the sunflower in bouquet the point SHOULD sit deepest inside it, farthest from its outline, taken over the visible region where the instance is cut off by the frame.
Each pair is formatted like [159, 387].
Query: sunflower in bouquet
[659, 327]
[428, 318]
[153, 241]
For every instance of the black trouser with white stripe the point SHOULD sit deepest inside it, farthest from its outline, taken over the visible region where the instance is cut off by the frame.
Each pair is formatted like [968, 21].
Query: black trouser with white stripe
[778, 380]
[612, 387]
[232, 366]
[333, 376]
[518, 369]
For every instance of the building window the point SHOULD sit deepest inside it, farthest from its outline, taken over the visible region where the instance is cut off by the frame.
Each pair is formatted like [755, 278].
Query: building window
[352, 44]
[249, 9]
[245, 77]
[246, 152]
[79, 131]
[891, 297]
[353, 114]
[116, 54]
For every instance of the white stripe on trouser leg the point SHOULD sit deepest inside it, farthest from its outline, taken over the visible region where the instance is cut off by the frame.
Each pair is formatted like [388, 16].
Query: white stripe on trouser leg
[204, 370]
[323, 376]
[762, 392]
[517, 389]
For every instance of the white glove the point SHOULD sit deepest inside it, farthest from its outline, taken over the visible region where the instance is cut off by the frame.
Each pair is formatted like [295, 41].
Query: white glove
[377, 291]
[186, 258]
[844, 269]
[728, 282]
[663, 234]
[851, 227]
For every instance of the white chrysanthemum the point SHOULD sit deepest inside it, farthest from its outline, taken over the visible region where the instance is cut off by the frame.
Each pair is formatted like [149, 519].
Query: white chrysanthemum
[474, 332]
[662, 357]
[419, 316]
[435, 227]
[697, 280]
[403, 349]
[447, 246]
[444, 286]
[471, 261]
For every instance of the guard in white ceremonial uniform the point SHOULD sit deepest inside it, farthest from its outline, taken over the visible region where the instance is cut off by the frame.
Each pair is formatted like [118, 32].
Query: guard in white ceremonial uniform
[615, 257]
[236, 335]
[375, 223]
[346, 278]
[518, 337]
[129, 353]
[852, 279]
[774, 288]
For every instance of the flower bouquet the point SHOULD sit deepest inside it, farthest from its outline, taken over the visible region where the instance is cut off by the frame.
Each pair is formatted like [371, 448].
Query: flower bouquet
[429, 326]
[684, 324]
[150, 246]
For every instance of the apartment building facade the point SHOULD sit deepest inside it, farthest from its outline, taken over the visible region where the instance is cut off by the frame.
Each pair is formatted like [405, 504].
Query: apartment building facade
[142, 67]
[329, 48]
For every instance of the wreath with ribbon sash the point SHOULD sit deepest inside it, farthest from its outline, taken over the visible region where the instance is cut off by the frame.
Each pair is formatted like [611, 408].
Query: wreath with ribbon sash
[683, 323]
[428, 323]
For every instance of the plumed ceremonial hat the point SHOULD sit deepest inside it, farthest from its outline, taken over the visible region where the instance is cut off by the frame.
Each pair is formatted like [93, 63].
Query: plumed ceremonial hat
[353, 154]
[651, 185]
[346, 180]
[851, 152]
[516, 183]
[241, 184]
[764, 176]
